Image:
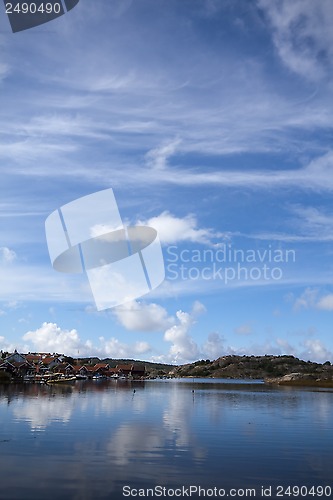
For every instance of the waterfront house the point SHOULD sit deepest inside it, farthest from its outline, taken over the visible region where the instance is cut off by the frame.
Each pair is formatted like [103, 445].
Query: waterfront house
[101, 369]
[33, 359]
[17, 368]
[131, 371]
[65, 368]
[50, 362]
[40, 364]
[15, 358]
[138, 371]
[124, 370]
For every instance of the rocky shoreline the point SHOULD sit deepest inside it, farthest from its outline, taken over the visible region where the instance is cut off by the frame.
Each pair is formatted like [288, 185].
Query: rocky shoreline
[278, 370]
[301, 379]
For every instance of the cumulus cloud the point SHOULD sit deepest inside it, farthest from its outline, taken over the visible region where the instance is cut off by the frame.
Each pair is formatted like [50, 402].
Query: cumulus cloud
[172, 229]
[7, 256]
[213, 348]
[183, 347]
[139, 316]
[6, 346]
[113, 348]
[286, 347]
[308, 349]
[316, 350]
[52, 338]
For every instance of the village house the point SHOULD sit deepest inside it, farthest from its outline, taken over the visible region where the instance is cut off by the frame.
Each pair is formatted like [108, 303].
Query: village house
[131, 371]
[40, 364]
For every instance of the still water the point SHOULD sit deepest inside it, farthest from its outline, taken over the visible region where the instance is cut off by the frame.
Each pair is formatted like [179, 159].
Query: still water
[90, 439]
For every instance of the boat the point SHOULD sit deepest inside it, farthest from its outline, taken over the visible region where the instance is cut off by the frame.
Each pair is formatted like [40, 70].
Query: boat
[61, 380]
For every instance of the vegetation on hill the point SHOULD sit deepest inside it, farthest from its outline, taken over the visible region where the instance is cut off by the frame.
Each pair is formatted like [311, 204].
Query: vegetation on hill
[253, 367]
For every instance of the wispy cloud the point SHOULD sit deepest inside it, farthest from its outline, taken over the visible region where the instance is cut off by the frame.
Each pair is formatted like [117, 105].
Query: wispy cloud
[157, 158]
[314, 298]
[306, 224]
[244, 329]
[7, 256]
[302, 35]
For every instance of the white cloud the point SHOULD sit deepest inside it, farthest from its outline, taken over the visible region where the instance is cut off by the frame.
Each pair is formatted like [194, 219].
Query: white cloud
[198, 308]
[6, 346]
[41, 412]
[213, 348]
[13, 304]
[4, 70]
[308, 349]
[7, 256]
[141, 347]
[139, 316]
[41, 283]
[307, 223]
[157, 158]
[314, 175]
[172, 229]
[183, 347]
[307, 299]
[314, 222]
[113, 348]
[31, 149]
[311, 298]
[52, 338]
[59, 124]
[326, 302]
[286, 347]
[315, 350]
[245, 329]
[302, 34]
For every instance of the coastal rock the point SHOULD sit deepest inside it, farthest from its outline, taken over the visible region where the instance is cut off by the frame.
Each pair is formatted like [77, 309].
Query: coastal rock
[302, 379]
[269, 368]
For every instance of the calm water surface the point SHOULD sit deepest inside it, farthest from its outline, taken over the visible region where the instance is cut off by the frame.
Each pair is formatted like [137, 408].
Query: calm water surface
[89, 439]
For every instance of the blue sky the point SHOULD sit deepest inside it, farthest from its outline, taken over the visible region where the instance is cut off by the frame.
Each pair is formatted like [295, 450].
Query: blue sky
[212, 122]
